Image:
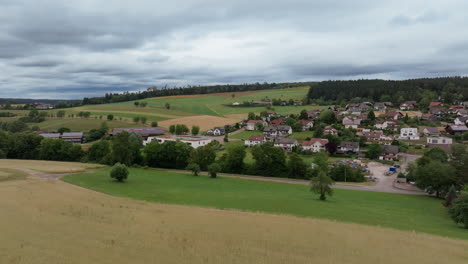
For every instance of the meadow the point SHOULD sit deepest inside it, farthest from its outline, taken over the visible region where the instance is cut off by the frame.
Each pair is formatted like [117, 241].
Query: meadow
[80, 124]
[54, 222]
[404, 212]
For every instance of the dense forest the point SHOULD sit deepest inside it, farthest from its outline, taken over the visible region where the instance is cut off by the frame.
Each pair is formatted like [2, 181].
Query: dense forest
[156, 92]
[447, 89]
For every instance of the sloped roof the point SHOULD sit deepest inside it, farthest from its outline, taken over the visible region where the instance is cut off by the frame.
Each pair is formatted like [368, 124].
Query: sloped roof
[321, 141]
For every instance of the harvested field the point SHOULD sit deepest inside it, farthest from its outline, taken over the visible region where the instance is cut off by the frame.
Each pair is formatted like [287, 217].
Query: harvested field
[52, 222]
[47, 166]
[205, 122]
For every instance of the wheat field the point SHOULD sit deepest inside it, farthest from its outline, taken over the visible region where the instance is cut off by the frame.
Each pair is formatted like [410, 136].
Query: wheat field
[50, 221]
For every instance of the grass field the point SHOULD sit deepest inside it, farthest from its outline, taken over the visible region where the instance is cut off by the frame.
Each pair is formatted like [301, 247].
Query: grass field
[7, 174]
[54, 222]
[246, 134]
[46, 166]
[405, 212]
[78, 124]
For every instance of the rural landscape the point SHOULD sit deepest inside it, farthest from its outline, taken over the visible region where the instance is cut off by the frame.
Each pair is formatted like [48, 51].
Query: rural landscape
[233, 132]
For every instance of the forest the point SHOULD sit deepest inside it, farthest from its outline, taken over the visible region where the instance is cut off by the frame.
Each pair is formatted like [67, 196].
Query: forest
[447, 89]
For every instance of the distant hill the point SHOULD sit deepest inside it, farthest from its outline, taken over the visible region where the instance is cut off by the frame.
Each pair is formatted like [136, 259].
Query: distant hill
[30, 101]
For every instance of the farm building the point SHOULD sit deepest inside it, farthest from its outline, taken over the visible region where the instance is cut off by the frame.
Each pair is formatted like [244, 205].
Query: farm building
[72, 137]
[193, 141]
[144, 132]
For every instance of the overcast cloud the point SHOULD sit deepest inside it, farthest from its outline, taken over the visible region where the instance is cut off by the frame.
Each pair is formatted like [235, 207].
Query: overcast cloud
[72, 49]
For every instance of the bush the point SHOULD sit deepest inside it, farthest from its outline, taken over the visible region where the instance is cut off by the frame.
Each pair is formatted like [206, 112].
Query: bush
[213, 169]
[194, 168]
[119, 172]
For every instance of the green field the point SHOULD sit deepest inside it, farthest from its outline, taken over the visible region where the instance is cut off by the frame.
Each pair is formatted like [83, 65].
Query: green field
[405, 212]
[78, 124]
[301, 136]
[246, 134]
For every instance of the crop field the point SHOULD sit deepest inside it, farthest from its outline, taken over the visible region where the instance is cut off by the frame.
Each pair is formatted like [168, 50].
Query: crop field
[404, 212]
[54, 222]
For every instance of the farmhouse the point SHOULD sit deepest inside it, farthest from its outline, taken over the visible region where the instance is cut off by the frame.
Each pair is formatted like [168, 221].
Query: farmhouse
[410, 133]
[252, 124]
[193, 141]
[255, 140]
[144, 132]
[72, 137]
[286, 143]
[315, 144]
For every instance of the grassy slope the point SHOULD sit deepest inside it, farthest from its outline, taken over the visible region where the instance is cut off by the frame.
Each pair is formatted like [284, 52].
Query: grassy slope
[54, 222]
[405, 212]
[246, 134]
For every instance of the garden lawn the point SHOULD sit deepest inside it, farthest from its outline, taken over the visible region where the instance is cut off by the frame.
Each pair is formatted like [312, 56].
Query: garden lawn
[405, 212]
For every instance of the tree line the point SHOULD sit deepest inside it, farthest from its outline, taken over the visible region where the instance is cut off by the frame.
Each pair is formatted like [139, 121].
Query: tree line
[450, 89]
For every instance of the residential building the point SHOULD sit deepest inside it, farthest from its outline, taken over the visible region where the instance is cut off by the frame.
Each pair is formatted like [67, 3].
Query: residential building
[297, 102]
[461, 120]
[193, 141]
[444, 143]
[380, 107]
[255, 140]
[431, 131]
[408, 105]
[217, 131]
[252, 124]
[456, 130]
[315, 144]
[286, 144]
[313, 114]
[454, 109]
[349, 147]
[351, 122]
[329, 130]
[429, 117]
[410, 133]
[272, 132]
[438, 111]
[432, 104]
[392, 115]
[277, 122]
[389, 152]
[306, 124]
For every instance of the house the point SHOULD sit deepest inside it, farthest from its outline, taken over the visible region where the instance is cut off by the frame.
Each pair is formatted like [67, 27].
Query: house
[252, 124]
[431, 131]
[454, 109]
[272, 132]
[408, 105]
[193, 141]
[306, 124]
[277, 122]
[262, 102]
[438, 111]
[72, 137]
[313, 114]
[217, 131]
[389, 152]
[255, 140]
[385, 124]
[444, 143]
[297, 102]
[432, 104]
[315, 144]
[329, 130]
[351, 122]
[349, 147]
[286, 144]
[410, 133]
[461, 120]
[373, 135]
[42, 106]
[358, 108]
[380, 107]
[456, 130]
[144, 132]
[429, 117]
[392, 115]
[462, 112]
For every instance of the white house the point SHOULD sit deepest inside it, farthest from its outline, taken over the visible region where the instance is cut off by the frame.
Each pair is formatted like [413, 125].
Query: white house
[217, 131]
[306, 124]
[271, 132]
[410, 133]
[315, 144]
[439, 141]
[252, 124]
[255, 140]
[193, 141]
[286, 143]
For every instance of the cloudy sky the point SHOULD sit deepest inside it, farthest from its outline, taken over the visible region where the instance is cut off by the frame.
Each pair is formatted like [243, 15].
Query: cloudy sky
[72, 49]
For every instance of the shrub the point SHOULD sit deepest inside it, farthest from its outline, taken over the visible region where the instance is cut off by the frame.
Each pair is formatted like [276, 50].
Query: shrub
[119, 172]
[194, 168]
[213, 169]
